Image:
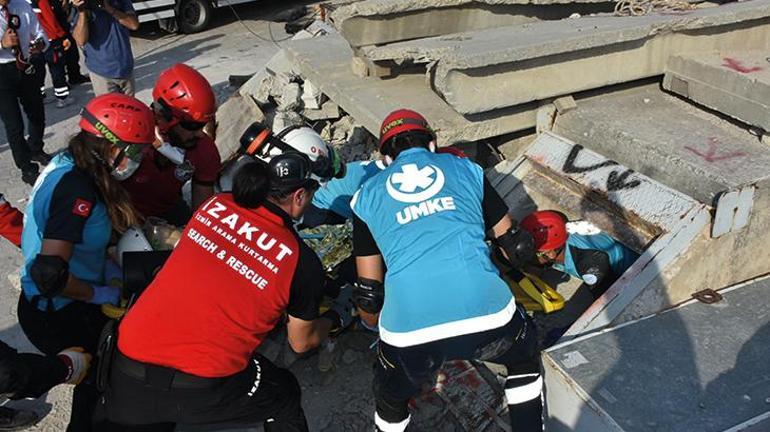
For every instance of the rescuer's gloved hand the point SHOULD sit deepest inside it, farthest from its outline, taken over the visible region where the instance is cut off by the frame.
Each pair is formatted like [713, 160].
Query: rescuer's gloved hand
[113, 274]
[342, 311]
[105, 294]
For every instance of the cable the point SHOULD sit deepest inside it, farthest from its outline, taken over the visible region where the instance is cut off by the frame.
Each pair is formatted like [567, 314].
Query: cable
[269, 28]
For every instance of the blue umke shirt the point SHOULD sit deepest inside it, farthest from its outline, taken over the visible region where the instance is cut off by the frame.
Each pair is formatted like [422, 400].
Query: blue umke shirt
[620, 257]
[337, 193]
[425, 214]
[64, 205]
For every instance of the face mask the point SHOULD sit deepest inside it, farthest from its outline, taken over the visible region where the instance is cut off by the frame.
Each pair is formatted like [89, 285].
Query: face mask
[122, 174]
[174, 154]
[132, 154]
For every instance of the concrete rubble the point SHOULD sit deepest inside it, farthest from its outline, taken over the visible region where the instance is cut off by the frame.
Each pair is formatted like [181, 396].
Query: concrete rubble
[601, 117]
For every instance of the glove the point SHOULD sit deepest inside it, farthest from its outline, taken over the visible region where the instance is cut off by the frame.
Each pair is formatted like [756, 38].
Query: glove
[113, 274]
[342, 311]
[77, 362]
[105, 295]
[519, 246]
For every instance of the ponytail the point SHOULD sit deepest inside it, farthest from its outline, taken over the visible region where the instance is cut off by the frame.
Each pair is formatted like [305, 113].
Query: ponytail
[251, 185]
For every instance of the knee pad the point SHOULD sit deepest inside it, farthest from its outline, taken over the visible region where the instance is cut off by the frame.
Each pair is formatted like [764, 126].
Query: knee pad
[369, 295]
[50, 273]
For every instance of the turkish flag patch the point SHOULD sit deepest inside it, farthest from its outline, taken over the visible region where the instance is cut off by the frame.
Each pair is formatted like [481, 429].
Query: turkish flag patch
[82, 207]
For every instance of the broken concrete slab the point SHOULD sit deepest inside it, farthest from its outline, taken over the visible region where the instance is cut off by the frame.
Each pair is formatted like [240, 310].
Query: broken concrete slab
[377, 22]
[326, 62]
[233, 117]
[735, 83]
[329, 110]
[291, 97]
[279, 64]
[697, 154]
[490, 69]
[311, 96]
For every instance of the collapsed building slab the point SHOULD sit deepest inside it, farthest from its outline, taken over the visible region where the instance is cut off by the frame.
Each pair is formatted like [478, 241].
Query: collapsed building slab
[486, 70]
[377, 22]
[665, 138]
[326, 62]
[736, 84]
[699, 367]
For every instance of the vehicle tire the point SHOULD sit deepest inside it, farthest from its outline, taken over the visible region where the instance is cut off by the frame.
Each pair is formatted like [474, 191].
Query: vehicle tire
[194, 16]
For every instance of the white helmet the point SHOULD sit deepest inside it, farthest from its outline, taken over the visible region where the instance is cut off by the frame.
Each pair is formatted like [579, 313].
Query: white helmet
[133, 240]
[259, 142]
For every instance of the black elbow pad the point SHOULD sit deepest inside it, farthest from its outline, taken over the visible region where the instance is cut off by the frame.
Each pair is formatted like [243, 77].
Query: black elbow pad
[368, 295]
[518, 245]
[50, 273]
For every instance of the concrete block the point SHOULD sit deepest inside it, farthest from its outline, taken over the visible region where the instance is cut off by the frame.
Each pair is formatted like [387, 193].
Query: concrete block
[545, 117]
[233, 117]
[378, 22]
[697, 154]
[363, 67]
[311, 96]
[277, 65]
[491, 69]
[284, 119]
[291, 97]
[565, 104]
[733, 83]
[329, 110]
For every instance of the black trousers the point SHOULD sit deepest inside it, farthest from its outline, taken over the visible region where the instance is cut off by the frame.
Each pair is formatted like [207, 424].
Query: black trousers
[77, 324]
[72, 59]
[261, 393]
[55, 58]
[400, 372]
[28, 375]
[18, 88]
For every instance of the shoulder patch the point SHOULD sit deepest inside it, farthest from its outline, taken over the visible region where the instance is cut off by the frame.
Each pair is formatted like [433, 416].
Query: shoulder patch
[82, 207]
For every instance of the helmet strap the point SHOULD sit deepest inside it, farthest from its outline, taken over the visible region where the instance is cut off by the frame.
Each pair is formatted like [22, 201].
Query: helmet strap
[102, 129]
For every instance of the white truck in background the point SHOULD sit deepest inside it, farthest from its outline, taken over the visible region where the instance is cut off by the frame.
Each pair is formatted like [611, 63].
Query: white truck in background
[186, 16]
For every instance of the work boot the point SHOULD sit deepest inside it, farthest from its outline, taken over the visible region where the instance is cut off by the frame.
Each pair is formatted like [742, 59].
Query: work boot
[41, 157]
[13, 420]
[79, 79]
[64, 103]
[29, 176]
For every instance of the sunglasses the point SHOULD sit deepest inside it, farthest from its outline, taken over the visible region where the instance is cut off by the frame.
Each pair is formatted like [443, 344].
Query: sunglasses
[191, 125]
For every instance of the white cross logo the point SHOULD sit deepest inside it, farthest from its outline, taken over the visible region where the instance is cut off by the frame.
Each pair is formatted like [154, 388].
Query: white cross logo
[403, 185]
[410, 178]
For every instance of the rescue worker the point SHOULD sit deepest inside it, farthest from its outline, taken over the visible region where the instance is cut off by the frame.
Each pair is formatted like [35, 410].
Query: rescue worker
[183, 102]
[597, 259]
[29, 375]
[73, 209]
[426, 216]
[239, 266]
[331, 203]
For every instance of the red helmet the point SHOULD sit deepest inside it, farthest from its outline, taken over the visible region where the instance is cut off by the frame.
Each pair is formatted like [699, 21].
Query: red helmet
[182, 93]
[453, 151]
[400, 121]
[548, 229]
[119, 118]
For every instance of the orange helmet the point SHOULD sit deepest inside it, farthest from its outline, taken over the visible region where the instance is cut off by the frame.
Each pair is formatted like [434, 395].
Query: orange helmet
[548, 228]
[120, 119]
[183, 95]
